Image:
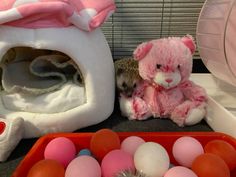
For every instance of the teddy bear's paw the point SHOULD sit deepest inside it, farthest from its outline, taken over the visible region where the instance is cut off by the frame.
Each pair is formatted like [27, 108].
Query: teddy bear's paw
[195, 116]
[11, 132]
[178, 120]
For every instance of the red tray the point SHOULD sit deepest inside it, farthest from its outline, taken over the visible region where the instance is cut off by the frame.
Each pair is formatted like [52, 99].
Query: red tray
[82, 140]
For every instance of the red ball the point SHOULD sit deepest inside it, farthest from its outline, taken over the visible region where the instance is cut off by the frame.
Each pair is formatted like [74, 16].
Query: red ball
[224, 150]
[47, 168]
[210, 165]
[103, 141]
[233, 173]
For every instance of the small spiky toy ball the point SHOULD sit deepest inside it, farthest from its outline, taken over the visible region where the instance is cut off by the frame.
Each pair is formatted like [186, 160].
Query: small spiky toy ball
[129, 173]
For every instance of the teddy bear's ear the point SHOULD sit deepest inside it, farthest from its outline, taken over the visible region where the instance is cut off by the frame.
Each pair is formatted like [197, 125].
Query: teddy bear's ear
[142, 50]
[189, 42]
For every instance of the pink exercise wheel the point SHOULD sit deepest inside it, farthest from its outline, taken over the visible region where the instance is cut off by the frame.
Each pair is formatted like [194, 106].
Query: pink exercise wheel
[216, 33]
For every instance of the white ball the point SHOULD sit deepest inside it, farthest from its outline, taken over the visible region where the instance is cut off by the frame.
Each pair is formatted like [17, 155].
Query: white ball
[151, 159]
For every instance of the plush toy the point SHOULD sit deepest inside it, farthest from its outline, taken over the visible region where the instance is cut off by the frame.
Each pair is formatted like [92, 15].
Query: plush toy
[165, 66]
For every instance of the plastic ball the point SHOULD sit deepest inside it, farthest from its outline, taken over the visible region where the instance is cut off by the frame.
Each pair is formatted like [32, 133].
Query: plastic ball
[130, 144]
[224, 150]
[233, 173]
[47, 168]
[115, 162]
[210, 165]
[186, 149]
[83, 166]
[60, 149]
[180, 171]
[84, 152]
[151, 159]
[104, 141]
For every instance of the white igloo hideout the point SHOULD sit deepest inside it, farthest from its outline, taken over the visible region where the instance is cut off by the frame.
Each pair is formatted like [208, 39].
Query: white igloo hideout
[58, 79]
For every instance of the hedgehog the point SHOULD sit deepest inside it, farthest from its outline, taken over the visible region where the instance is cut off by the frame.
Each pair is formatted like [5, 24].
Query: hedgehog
[127, 75]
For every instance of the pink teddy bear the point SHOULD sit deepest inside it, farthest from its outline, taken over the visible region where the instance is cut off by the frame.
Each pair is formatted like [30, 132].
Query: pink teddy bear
[165, 66]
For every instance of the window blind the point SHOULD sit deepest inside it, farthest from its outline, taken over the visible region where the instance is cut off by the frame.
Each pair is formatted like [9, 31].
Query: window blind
[137, 21]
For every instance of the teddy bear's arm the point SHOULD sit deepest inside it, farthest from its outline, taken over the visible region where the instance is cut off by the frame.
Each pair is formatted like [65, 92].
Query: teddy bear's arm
[150, 97]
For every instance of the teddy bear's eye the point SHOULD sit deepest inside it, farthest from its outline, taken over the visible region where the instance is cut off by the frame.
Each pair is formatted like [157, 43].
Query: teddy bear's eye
[135, 85]
[158, 66]
[178, 66]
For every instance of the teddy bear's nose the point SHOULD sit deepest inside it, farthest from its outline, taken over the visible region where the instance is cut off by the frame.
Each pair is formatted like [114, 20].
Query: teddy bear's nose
[169, 80]
[2, 127]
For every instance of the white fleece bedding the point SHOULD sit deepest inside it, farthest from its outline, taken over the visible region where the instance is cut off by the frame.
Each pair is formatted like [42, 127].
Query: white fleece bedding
[49, 82]
[67, 97]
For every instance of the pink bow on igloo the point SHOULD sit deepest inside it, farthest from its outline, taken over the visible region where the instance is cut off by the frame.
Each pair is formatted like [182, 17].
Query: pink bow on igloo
[85, 14]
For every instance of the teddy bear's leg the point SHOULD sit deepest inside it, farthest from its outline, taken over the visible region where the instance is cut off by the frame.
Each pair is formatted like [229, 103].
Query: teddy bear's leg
[188, 113]
[141, 109]
[11, 132]
[196, 115]
[134, 108]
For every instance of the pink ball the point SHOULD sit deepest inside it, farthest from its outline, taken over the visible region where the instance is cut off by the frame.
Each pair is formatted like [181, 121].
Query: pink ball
[131, 144]
[116, 161]
[60, 149]
[186, 149]
[179, 171]
[83, 166]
